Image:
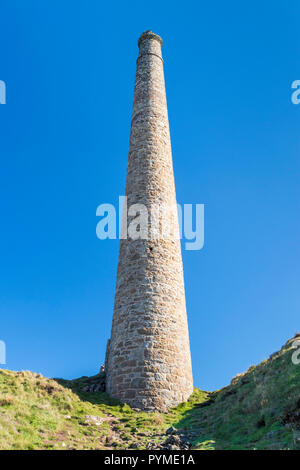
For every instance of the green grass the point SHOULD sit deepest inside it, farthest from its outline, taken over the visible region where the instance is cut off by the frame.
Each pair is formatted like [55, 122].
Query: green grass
[260, 409]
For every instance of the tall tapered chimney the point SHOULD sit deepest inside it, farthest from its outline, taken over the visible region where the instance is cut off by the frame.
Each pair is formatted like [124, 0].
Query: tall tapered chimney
[148, 363]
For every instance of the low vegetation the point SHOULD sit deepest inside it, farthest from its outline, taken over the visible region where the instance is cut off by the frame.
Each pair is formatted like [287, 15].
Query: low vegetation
[260, 409]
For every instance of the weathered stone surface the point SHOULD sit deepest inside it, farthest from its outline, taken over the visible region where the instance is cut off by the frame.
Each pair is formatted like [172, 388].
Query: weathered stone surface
[93, 420]
[94, 384]
[149, 337]
[175, 440]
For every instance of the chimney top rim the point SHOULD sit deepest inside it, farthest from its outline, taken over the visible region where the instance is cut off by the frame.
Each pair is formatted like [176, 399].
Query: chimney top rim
[149, 35]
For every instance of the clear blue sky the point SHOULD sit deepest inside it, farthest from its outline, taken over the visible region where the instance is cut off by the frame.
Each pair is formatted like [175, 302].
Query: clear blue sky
[69, 67]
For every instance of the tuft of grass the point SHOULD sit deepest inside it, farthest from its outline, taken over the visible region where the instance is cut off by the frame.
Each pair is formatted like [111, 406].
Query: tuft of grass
[6, 400]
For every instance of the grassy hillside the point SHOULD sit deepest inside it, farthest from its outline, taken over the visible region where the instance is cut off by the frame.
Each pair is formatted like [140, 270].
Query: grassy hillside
[260, 409]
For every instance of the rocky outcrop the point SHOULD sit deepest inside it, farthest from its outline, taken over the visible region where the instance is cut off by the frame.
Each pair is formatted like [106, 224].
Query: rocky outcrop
[95, 384]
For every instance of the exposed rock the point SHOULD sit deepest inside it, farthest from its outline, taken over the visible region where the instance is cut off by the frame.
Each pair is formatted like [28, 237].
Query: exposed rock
[171, 430]
[94, 420]
[95, 384]
[134, 445]
[176, 440]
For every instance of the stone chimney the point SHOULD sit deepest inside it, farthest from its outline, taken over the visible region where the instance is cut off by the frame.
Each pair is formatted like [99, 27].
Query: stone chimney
[148, 363]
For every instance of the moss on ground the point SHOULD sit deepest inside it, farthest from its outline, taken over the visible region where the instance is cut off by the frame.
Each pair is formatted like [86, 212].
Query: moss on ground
[260, 409]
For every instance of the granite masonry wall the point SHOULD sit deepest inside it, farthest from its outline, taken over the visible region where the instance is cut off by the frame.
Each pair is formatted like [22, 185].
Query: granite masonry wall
[148, 363]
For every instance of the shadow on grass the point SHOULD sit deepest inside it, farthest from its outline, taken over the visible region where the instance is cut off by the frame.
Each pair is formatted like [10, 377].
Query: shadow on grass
[191, 421]
[96, 398]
